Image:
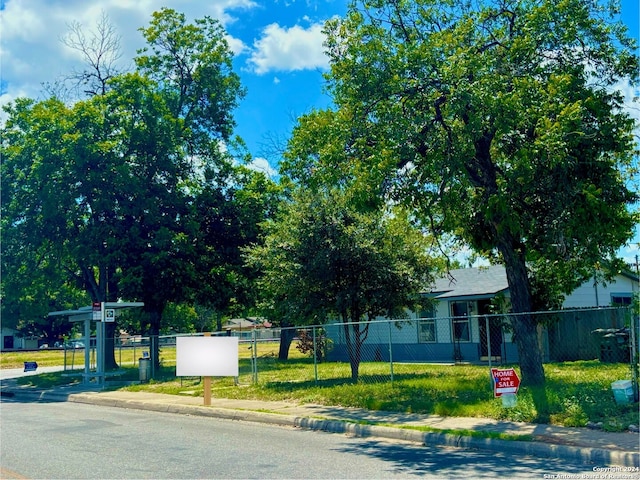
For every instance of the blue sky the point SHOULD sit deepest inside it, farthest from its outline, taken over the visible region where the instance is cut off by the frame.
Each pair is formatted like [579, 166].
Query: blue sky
[278, 47]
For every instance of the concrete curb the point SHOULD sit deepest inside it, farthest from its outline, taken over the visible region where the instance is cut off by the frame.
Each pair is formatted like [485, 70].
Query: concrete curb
[584, 455]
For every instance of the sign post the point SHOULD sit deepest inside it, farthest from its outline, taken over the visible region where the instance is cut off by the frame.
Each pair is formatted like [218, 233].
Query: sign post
[96, 308]
[505, 384]
[207, 357]
[207, 383]
[99, 342]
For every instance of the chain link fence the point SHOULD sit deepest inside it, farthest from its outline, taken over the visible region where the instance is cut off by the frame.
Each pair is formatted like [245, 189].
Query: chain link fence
[377, 351]
[605, 334]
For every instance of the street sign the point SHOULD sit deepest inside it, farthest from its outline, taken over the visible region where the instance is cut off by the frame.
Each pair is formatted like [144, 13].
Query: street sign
[109, 315]
[30, 366]
[97, 311]
[504, 381]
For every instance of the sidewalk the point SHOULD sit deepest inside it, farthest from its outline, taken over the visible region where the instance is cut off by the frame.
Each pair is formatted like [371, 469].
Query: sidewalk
[576, 444]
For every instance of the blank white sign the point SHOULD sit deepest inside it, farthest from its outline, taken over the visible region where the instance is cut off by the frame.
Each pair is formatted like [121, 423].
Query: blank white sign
[207, 356]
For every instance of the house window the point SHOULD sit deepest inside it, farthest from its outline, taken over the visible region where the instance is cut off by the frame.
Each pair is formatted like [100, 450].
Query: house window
[427, 326]
[461, 329]
[460, 322]
[620, 299]
[427, 330]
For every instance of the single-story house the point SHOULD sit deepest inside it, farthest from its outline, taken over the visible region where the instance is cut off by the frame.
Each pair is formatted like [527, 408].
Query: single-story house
[250, 327]
[249, 323]
[11, 339]
[467, 325]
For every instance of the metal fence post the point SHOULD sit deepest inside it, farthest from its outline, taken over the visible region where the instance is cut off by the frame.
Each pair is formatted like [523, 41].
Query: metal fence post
[486, 323]
[634, 350]
[315, 355]
[154, 347]
[390, 353]
[254, 356]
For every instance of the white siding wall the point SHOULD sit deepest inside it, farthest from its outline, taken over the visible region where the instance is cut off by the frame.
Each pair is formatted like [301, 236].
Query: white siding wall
[442, 309]
[443, 324]
[585, 295]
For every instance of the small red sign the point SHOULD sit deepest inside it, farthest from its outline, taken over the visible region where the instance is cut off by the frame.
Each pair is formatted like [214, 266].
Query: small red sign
[97, 311]
[504, 381]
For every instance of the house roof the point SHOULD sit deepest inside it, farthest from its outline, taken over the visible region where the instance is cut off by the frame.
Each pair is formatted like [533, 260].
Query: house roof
[469, 282]
[629, 274]
[246, 323]
[478, 282]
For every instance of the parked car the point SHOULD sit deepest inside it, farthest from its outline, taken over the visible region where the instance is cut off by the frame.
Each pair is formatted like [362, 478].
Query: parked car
[74, 344]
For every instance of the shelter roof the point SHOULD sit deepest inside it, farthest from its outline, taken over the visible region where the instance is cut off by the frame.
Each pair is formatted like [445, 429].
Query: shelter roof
[83, 313]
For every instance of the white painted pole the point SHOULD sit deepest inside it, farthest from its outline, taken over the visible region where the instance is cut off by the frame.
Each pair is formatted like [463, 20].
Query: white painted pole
[87, 350]
[207, 383]
[100, 345]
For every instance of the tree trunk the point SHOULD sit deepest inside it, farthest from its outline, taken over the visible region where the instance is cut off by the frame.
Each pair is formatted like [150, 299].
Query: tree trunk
[155, 317]
[218, 321]
[483, 174]
[286, 337]
[110, 363]
[100, 289]
[524, 326]
[525, 329]
[354, 349]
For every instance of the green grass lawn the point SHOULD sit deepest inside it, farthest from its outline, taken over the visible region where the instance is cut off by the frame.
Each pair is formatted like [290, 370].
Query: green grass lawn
[577, 392]
[72, 358]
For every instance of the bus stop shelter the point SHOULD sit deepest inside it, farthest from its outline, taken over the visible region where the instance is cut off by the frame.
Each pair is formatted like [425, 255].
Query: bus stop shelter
[100, 313]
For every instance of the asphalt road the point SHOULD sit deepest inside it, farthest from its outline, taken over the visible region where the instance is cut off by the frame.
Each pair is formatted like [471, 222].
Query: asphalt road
[70, 440]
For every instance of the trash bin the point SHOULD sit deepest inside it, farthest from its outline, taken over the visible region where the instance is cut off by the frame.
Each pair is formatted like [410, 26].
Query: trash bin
[622, 391]
[144, 366]
[614, 345]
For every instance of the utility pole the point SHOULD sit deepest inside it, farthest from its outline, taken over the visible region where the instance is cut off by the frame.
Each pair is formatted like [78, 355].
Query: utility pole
[635, 321]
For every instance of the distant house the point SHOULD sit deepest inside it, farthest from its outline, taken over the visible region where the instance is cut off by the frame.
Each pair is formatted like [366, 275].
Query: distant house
[244, 327]
[249, 323]
[465, 324]
[11, 339]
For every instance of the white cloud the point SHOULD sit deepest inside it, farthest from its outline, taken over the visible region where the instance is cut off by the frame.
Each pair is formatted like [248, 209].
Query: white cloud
[289, 49]
[631, 103]
[32, 52]
[25, 24]
[236, 45]
[630, 252]
[262, 165]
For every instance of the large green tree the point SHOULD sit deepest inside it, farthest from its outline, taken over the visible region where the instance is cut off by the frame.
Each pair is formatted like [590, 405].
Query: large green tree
[110, 184]
[190, 66]
[323, 259]
[35, 276]
[228, 219]
[496, 121]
